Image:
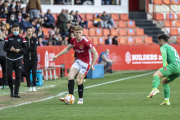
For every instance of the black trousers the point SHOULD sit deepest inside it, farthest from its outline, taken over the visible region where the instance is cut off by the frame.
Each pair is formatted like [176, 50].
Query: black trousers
[4, 68]
[30, 65]
[14, 65]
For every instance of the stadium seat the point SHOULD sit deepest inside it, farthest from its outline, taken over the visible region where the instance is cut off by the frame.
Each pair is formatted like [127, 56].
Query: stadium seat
[124, 17]
[114, 32]
[178, 16]
[122, 24]
[131, 32]
[177, 23]
[168, 23]
[89, 16]
[115, 22]
[158, 16]
[174, 32]
[90, 24]
[122, 40]
[45, 30]
[98, 32]
[122, 32]
[82, 16]
[115, 16]
[55, 16]
[157, 2]
[95, 41]
[91, 32]
[96, 14]
[167, 2]
[131, 24]
[130, 40]
[139, 40]
[178, 40]
[89, 38]
[170, 16]
[86, 32]
[148, 40]
[140, 32]
[101, 41]
[175, 2]
[106, 32]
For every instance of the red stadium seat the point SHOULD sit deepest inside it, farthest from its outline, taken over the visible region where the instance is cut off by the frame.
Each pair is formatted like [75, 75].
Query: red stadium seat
[131, 32]
[115, 16]
[89, 16]
[95, 41]
[106, 32]
[178, 40]
[122, 24]
[55, 16]
[124, 17]
[98, 32]
[174, 32]
[114, 32]
[130, 40]
[158, 16]
[91, 32]
[82, 16]
[101, 41]
[86, 32]
[96, 14]
[170, 16]
[45, 30]
[177, 23]
[148, 40]
[139, 40]
[131, 24]
[167, 2]
[168, 23]
[158, 2]
[122, 32]
[140, 31]
[90, 24]
[178, 16]
[176, 2]
[122, 40]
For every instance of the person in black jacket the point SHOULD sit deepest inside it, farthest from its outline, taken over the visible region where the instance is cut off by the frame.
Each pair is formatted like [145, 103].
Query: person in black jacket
[15, 46]
[30, 59]
[3, 62]
[12, 20]
[115, 40]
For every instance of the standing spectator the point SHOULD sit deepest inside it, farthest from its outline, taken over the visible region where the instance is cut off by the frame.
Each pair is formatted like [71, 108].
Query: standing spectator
[5, 9]
[62, 22]
[33, 8]
[40, 43]
[18, 7]
[97, 21]
[49, 20]
[12, 20]
[25, 23]
[3, 61]
[80, 21]
[107, 21]
[24, 12]
[115, 40]
[109, 40]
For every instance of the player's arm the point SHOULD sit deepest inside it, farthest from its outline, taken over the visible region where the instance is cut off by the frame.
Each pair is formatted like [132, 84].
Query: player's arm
[95, 56]
[66, 50]
[164, 56]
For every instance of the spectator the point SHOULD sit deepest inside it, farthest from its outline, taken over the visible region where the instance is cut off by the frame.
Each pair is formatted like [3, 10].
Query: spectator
[109, 40]
[66, 13]
[4, 34]
[6, 25]
[115, 40]
[71, 35]
[97, 21]
[18, 7]
[39, 22]
[5, 9]
[107, 21]
[13, 11]
[70, 27]
[25, 23]
[49, 20]
[57, 31]
[33, 8]
[24, 12]
[34, 34]
[41, 14]
[1, 7]
[40, 43]
[59, 41]
[34, 30]
[65, 41]
[52, 32]
[71, 18]
[19, 17]
[62, 22]
[103, 59]
[54, 40]
[34, 23]
[12, 20]
[21, 32]
[106, 2]
[21, 2]
[11, 5]
[79, 20]
[10, 31]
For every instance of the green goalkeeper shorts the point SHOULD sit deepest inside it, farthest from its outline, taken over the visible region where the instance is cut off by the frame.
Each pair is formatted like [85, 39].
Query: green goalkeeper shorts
[172, 72]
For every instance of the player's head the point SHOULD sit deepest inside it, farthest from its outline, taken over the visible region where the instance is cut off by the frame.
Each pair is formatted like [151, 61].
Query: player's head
[15, 29]
[163, 39]
[29, 31]
[78, 32]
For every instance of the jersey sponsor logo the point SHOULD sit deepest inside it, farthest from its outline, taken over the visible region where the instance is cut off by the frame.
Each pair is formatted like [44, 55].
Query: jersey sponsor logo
[83, 67]
[18, 40]
[11, 38]
[79, 51]
[81, 47]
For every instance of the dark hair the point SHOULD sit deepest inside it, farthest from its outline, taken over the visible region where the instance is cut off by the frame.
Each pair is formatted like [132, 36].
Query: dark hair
[163, 37]
[109, 35]
[15, 25]
[28, 28]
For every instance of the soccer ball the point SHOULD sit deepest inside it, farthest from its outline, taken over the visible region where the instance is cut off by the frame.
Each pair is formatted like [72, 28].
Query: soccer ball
[69, 99]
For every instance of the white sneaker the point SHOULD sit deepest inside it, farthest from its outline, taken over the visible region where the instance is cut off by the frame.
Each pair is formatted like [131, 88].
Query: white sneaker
[34, 89]
[30, 89]
[80, 102]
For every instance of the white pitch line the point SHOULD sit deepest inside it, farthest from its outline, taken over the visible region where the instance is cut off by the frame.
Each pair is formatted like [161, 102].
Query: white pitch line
[62, 93]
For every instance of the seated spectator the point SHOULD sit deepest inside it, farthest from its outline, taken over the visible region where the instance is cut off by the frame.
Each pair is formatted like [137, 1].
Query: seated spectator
[18, 7]
[49, 20]
[70, 17]
[40, 33]
[66, 13]
[25, 23]
[19, 17]
[34, 30]
[13, 11]
[24, 14]
[79, 20]
[107, 21]
[11, 5]
[52, 32]
[108, 41]
[54, 40]
[62, 23]
[106, 2]
[70, 27]
[39, 22]
[57, 31]
[97, 21]
[40, 43]
[115, 40]
[71, 35]
[65, 41]
[10, 31]
[4, 34]
[103, 59]
[21, 32]
[11, 21]
[59, 41]
[5, 9]
[21, 2]
[34, 35]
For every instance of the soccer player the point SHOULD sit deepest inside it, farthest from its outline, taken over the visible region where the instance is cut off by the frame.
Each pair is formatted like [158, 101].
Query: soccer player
[169, 72]
[84, 62]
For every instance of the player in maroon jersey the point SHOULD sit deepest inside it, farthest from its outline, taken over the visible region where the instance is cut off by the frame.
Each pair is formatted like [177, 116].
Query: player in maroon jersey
[84, 50]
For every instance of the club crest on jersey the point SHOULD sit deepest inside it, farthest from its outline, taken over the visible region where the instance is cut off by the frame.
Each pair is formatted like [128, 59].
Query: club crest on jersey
[81, 47]
[18, 40]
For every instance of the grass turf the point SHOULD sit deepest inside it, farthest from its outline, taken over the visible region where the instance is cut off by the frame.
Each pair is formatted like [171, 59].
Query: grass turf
[123, 100]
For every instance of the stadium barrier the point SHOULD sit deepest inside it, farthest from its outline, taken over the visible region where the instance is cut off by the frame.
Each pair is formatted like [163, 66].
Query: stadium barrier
[126, 57]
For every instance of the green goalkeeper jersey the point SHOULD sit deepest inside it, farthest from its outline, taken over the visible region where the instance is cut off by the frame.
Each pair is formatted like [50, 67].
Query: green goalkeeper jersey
[172, 55]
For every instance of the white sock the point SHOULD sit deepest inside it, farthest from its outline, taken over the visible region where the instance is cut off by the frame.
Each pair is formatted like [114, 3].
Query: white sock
[166, 98]
[80, 98]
